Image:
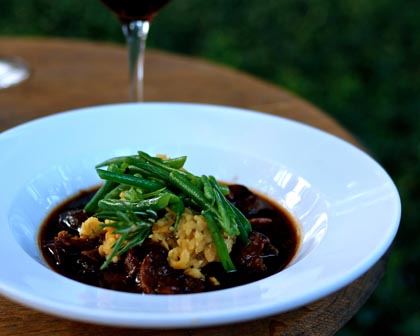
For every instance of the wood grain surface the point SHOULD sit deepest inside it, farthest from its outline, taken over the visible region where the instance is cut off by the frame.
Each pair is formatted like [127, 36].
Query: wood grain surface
[68, 74]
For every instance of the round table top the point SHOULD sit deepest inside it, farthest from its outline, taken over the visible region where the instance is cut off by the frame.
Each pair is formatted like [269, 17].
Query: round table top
[68, 74]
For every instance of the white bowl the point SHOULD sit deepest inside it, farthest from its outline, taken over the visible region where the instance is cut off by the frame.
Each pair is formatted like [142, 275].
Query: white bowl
[347, 207]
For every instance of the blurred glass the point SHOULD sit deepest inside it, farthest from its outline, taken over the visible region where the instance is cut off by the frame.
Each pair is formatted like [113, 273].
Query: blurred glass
[13, 70]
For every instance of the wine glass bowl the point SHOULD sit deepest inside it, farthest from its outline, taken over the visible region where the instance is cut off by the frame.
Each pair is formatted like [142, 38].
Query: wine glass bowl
[135, 18]
[129, 10]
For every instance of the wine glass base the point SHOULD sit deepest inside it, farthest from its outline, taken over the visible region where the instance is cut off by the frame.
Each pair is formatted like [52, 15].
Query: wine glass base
[13, 71]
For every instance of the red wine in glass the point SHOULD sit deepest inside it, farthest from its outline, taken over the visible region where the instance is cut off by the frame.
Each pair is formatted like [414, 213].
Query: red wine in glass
[135, 17]
[132, 10]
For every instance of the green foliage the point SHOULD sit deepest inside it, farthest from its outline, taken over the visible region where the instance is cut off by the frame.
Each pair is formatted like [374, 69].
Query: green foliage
[357, 60]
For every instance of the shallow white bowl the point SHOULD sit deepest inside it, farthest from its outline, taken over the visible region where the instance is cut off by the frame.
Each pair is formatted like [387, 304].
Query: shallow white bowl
[347, 207]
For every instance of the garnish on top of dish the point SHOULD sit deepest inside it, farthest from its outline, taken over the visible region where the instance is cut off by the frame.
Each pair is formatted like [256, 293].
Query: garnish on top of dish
[154, 227]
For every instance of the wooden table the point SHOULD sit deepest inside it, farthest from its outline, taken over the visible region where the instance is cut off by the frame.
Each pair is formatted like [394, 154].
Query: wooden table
[69, 74]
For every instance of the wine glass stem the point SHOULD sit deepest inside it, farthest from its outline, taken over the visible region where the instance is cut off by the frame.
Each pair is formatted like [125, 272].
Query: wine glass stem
[136, 33]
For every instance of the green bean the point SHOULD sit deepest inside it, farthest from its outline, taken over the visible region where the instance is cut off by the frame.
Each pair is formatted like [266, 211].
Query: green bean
[129, 180]
[219, 242]
[208, 189]
[115, 193]
[224, 189]
[156, 203]
[241, 223]
[178, 208]
[92, 205]
[226, 220]
[181, 182]
[116, 160]
[149, 169]
[106, 187]
[176, 163]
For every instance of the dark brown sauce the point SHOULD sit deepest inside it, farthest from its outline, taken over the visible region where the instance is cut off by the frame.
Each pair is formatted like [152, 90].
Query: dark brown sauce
[280, 228]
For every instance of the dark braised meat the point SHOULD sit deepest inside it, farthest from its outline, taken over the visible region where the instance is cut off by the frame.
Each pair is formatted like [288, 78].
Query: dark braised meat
[132, 263]
[71, 220]
[78, 257]
[249, 203]
[66, 246]
[157, 277]
[251, 256]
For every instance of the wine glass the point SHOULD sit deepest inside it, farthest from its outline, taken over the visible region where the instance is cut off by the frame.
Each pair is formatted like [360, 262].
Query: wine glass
[13, 70]
[135, 17]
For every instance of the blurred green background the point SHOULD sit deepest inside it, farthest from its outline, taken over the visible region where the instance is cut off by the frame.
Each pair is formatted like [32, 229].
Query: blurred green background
[357, 60]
